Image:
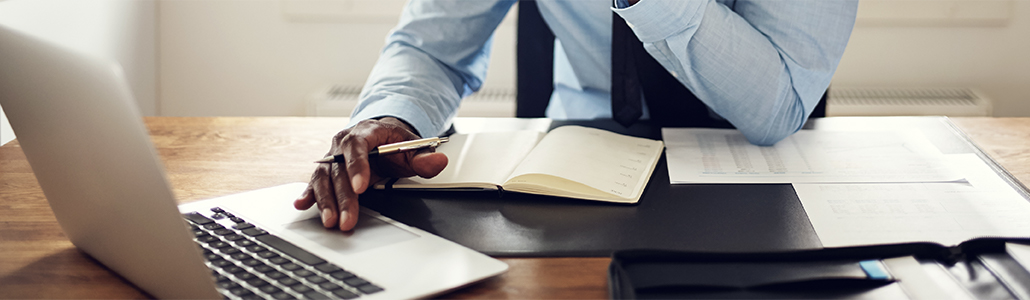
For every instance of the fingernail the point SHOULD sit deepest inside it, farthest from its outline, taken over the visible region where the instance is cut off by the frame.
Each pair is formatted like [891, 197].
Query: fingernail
[325, 216]
[343, 219]
[355, 183]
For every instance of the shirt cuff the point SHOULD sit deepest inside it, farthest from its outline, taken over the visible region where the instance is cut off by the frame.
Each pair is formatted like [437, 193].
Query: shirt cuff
[398, 108]
[655, 20]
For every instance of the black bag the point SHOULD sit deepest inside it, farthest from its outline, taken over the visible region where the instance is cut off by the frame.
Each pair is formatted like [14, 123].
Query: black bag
[975, 269]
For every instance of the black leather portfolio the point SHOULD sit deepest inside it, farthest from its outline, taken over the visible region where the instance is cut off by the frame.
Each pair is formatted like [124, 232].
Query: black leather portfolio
[975, 269]
[682, 217]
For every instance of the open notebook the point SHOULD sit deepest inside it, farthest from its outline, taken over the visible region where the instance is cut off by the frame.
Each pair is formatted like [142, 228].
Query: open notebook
[569, 161]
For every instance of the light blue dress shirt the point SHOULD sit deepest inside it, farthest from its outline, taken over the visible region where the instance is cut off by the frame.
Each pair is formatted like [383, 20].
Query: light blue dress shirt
[762, 65]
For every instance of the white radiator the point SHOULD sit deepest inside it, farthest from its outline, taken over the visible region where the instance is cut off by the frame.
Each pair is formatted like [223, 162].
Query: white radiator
[955, 102]
[339, 101]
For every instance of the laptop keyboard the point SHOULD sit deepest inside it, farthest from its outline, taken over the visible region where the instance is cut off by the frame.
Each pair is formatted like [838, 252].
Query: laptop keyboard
[249, 263]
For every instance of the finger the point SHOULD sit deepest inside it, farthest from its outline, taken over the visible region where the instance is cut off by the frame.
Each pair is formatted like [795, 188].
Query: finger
[349, 215]
[325, 196]
[428, 164]
[306, 199]
[356, 151]
[346, 199]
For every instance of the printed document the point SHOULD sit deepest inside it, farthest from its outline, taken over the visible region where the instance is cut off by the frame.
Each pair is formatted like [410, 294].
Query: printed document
[945, 213]
[699, 155]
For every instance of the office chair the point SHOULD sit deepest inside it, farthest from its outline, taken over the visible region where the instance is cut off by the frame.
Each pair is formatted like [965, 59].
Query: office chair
[534, 78]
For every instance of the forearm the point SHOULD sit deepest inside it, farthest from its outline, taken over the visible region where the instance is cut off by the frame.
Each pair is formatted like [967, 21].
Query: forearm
[437, 54]
[763, 66]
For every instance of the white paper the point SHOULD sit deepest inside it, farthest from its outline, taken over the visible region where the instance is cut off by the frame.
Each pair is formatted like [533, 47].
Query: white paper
[697, 155]
[945, 213]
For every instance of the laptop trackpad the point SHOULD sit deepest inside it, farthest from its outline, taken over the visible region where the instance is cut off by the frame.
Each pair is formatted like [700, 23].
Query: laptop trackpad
[369, 233]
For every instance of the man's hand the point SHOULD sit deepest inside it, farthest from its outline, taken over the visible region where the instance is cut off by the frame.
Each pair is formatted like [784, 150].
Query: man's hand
[335, 186]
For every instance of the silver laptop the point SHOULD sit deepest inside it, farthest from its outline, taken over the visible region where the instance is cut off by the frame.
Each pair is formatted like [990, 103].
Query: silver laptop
[79, 127]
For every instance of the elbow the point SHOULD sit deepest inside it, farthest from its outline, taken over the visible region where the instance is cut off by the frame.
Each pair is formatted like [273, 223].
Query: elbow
[768, 139]
[776, 126]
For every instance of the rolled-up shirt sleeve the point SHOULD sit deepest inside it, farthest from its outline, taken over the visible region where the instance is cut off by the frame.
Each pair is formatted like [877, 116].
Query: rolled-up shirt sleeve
[437, 54]
[762, 65]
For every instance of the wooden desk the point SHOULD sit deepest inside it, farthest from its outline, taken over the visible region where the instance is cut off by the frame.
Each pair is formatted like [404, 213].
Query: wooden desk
[210, 157]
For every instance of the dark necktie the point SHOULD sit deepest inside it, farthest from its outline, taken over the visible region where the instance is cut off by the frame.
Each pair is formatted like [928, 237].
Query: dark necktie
[634, 71]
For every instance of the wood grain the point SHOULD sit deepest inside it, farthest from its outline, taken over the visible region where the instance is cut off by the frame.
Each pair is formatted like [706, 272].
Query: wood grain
[210, 157]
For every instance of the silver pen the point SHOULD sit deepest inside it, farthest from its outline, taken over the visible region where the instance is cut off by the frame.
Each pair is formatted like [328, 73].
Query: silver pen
[404, 146]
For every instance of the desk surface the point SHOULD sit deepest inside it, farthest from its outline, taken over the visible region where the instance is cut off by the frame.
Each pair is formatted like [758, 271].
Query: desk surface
[210, 157]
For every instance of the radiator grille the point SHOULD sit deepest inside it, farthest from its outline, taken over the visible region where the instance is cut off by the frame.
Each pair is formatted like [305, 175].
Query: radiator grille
[906, 101]
[340, 100]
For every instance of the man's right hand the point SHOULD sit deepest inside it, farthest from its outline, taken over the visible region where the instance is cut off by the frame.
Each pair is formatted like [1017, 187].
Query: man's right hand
[335, 187]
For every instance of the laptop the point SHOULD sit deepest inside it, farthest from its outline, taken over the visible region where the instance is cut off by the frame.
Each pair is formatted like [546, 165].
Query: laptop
[78, 124]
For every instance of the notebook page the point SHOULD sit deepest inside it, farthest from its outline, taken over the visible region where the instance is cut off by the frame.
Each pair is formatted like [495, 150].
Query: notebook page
[484, 157]
[698, 155]
[616, 164]
[945, 213]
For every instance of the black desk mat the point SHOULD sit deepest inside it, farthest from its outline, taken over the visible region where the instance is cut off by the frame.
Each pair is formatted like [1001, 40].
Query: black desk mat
[687, 217]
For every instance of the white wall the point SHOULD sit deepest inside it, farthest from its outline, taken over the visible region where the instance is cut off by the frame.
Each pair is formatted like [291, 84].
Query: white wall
[240, 58]
[224, 58]
[988, 56]
[118, 30]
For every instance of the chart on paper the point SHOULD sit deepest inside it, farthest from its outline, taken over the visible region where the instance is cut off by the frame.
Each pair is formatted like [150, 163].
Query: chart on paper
[696, 155]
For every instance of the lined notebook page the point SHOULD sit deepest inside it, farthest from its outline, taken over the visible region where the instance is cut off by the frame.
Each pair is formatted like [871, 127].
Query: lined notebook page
[615, 164]
[485, 157]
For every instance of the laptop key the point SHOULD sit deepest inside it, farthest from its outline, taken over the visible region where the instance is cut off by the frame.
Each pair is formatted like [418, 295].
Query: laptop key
[328, 268]
[224, 231]
[264, 269]
[207, 239]
[315, 295]
[219, 245]
[290, 249]
[300, 288]
[345, 294]
[240, 256]
[198, 218]
[213, 226]
[303, 273]
[234, 237]
[290, 266]
[278, 260]
[245, 276]
[274, 274]
[257, 282]
[233, 269]
[245, 243]
[256, 248]
[270, 289]
[355, 281]
[242, 226]
[370, 289]
[254, 232]
[240, 291]
[221, 263]
[230, 251]
[267, 254]
[341, 275]
[329, 286]
[228, 285]
[252, 262]
[282, 296]
[315, 279]
[287, 281]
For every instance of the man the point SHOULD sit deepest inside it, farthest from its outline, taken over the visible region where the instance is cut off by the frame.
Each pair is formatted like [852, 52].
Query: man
[761, 65]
